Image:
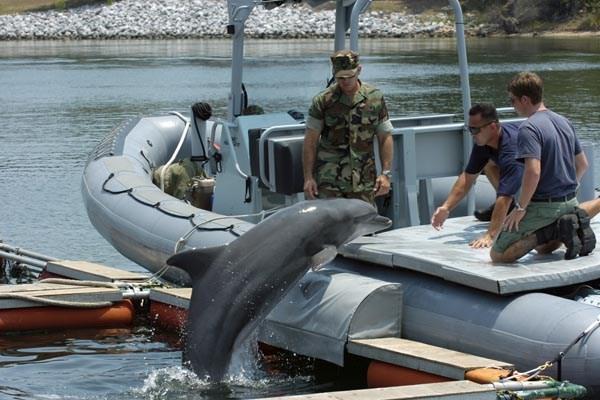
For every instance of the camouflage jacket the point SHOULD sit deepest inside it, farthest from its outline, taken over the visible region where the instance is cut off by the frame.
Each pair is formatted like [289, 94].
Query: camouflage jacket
[345, 157]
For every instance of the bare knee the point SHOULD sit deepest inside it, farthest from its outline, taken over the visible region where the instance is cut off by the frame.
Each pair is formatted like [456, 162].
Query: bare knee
[498, 257]
[548, 248]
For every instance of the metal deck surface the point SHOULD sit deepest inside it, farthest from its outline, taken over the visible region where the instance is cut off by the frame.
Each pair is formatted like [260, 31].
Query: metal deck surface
[446, 254]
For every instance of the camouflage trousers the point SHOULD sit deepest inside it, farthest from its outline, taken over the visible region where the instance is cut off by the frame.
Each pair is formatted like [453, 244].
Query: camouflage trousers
[329, 192]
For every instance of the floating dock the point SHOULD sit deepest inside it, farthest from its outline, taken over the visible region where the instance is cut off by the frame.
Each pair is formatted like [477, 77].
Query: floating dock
[459, 390]
[32, 306]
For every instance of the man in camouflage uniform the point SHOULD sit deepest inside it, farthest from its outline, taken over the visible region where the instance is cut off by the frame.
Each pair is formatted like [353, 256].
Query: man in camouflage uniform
[342, 124]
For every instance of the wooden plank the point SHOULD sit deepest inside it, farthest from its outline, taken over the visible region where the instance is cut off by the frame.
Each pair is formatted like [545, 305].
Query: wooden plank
[83, 270]
[55, 292]
[178, 297]
[463, 390]
[420, 356]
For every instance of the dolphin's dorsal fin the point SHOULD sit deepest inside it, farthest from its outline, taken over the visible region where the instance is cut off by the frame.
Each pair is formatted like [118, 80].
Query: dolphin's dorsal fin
[323, 257]
[196, 261]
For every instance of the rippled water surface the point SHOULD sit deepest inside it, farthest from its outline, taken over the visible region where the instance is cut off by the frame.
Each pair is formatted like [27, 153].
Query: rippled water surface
[58, 99]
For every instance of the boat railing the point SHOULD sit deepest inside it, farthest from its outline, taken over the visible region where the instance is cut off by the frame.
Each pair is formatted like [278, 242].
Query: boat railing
[415, 150]
[420, 120]
[359, 7]
[418, 160]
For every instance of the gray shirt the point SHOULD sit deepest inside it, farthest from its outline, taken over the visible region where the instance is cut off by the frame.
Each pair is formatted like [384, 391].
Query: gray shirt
[550, 138]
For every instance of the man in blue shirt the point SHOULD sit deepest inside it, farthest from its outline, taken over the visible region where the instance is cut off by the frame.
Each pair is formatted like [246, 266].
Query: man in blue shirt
[498, 143]
[547, 212]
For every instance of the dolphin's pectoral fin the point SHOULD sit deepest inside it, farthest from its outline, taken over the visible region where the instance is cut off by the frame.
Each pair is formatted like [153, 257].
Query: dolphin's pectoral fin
[323, 257]
[196, 261]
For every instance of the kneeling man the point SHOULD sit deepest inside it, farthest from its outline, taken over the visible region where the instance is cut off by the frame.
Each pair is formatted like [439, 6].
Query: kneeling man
[497, 143]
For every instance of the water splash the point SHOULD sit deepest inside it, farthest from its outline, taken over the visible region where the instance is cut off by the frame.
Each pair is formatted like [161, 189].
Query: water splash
[172, 382]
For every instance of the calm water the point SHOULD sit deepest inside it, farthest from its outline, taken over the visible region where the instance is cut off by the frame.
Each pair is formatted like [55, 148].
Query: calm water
[58, 99]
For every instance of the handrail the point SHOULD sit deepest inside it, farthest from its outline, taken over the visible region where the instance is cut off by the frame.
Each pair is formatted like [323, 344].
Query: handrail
[261, 144]
[225, 129]
[461, 48]
[359, 7]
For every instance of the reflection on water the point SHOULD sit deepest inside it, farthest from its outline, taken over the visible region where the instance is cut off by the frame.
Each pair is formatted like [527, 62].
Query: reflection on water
[58, 99]
[132, 363]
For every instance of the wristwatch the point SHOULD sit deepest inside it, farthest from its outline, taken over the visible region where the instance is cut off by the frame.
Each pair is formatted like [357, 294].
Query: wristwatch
[387, 173]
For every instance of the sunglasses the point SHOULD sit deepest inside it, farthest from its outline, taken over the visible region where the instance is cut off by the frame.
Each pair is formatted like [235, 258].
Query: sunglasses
[476, 129]
[344, 78]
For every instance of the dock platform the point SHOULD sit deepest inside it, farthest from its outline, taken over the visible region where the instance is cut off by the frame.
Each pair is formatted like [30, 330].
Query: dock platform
[458, 390]
[14, 296]
[392, 350]
[422, 357]
[172, 305]
[446, 254]
[84, 270]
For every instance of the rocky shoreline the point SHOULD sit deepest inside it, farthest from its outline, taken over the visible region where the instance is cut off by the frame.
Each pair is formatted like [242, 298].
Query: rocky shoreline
[176, 19]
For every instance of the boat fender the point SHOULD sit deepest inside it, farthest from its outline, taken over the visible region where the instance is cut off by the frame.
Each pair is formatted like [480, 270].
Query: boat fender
[558, 359]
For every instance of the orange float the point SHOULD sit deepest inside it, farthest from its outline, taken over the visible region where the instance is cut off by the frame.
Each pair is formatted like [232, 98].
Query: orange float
[168, 317]
[488, 375]
[35, 318]
[381, 374]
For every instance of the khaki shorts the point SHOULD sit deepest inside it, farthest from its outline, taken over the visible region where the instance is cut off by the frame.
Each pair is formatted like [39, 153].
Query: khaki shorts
[538, 215]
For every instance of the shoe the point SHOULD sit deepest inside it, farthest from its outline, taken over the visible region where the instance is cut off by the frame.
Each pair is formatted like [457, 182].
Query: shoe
[585, 232]
[485, 215]
[567, 233]
[547, 234]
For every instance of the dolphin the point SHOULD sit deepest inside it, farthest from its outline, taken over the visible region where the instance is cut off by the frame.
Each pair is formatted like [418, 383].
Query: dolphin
[235, 286]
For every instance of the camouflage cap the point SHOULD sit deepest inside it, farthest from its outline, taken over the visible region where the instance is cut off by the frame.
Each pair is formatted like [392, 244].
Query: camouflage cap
[344, 63]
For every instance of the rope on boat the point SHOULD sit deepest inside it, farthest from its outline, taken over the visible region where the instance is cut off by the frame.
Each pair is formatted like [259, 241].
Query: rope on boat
[130, 290]
[548, 388]
[72, 282]
[182, 240]
[528, 375]
[133, 290]
[593, 326]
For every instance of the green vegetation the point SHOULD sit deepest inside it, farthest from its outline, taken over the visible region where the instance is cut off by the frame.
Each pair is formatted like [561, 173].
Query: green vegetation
[520, 15]
[538, 14]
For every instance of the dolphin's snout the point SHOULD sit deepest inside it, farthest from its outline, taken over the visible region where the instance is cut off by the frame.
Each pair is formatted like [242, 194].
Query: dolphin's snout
[385, 222]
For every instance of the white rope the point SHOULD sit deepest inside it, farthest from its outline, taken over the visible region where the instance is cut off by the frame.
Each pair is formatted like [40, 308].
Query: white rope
[52, 302]
[185, 237]
[181, 140]
[73, 282]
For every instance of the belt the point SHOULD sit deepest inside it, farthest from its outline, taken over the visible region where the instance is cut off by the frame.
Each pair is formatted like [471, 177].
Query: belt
[557, 199]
